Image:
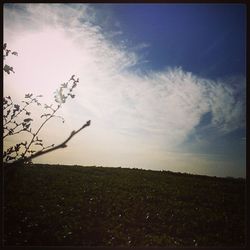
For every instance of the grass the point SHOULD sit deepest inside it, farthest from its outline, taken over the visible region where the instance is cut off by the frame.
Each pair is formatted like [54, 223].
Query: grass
[53, 205]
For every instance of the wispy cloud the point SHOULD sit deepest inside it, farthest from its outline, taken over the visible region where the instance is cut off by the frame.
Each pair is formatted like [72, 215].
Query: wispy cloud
[151, 112]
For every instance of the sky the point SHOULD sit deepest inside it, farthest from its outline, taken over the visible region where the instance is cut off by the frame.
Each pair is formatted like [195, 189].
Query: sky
[163, 84]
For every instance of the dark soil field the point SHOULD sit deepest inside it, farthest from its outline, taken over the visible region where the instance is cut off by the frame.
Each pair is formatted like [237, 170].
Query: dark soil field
[52, 205]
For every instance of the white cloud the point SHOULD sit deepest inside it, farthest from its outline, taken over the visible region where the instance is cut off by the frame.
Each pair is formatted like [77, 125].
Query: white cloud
[133, 115]
[225, 104]
[141, 46]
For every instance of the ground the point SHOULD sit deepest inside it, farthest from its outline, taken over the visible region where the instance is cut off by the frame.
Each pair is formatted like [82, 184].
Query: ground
[53, 205]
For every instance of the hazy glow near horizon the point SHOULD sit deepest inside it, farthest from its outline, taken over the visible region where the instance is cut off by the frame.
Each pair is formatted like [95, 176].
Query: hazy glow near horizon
[138, 120]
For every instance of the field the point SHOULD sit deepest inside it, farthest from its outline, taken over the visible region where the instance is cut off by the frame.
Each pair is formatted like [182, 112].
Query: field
[53, 205]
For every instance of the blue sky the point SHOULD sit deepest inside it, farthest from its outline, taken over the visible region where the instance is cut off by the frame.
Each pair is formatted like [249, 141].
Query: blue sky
[191, 35]
[164, 84]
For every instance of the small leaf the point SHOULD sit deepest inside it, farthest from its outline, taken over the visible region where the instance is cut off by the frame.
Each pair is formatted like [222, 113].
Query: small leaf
[28, 95]
[64, 85]
[8, 69]
[28, 120]
[7, 52]
[45, 115]
[16, 106]
[27, 126]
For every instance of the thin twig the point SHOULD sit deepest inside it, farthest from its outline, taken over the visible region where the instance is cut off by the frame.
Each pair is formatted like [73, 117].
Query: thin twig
[62, 145]
[35, 134]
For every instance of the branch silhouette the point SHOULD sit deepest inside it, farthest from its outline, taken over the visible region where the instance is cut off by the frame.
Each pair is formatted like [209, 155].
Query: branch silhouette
[62, 145]
[16, 119]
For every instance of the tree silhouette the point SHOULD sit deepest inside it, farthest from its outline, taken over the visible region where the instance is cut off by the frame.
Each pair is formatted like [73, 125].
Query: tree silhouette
[17, 119]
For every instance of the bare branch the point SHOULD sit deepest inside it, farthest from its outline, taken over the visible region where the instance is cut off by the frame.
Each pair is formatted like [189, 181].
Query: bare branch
[62, 145]
[13, 113]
